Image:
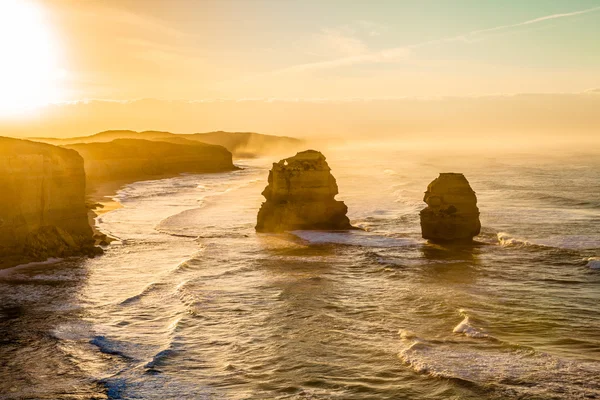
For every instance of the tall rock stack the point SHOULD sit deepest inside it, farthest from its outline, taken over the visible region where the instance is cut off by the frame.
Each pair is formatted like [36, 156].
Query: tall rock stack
[451, 213]
[301, 196]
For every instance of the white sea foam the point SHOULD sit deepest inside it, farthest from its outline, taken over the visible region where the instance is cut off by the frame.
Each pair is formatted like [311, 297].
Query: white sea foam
[405, 334]
[506, 240]
[539, 374]
[465, 327]
[571, 242]
[20, 267]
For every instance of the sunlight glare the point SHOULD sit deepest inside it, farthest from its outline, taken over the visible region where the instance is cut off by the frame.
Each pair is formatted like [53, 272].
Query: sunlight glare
[29, 70]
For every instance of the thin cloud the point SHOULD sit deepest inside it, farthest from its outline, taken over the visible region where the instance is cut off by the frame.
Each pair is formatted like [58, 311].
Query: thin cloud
[402, 53]
[338, 41]
[525, 23]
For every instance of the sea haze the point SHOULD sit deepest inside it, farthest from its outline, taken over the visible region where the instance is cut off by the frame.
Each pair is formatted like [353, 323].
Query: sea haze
[191, 303]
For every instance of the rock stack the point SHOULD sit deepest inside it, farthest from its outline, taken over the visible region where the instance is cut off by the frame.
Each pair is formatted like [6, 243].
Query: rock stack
[451, 213]
[301, 196]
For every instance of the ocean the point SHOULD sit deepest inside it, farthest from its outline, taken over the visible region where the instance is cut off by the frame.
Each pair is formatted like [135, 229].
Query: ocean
[191, 303]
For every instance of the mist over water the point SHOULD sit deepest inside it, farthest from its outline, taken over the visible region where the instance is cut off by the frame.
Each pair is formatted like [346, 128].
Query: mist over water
[191, 303]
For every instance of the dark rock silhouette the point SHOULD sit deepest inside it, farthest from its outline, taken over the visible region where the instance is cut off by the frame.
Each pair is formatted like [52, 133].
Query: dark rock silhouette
[451, 213]
[301, 195]
[43, 212]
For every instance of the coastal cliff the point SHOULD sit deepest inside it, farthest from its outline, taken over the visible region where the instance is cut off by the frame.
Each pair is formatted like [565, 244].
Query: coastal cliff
[301, 195]
[42, 206]
[451, 213]
[129, 160]
[240, 144]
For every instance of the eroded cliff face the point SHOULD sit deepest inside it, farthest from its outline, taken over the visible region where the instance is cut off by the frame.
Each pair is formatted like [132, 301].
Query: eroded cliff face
[128, 160]
[42, 203]
[451, 213]
[301, 195]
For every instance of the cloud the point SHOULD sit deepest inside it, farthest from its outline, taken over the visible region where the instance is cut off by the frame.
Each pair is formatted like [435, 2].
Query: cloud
[371, 28]
[477, 33]
[398, 54]
[342, 43]
[139, 22]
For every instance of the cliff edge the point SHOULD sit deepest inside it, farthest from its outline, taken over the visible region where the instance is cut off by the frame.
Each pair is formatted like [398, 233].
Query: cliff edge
[301, 195]
[42, 205]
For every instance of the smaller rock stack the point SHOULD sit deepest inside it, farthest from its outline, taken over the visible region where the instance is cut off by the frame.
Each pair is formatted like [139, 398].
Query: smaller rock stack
[301, 196]
[451, 214]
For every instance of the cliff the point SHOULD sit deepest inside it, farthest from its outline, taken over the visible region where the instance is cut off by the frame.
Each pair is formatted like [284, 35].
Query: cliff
[128, 160]
[451, 213]
[240, 144]
[301, 195]
[42, 206]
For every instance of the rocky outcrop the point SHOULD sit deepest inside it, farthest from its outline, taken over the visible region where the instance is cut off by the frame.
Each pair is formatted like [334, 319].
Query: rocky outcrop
[451, 213]
[42, 203]
[128, 160]
[301, 195]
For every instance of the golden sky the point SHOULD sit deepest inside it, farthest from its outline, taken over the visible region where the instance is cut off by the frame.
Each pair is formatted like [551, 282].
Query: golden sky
[58, 51]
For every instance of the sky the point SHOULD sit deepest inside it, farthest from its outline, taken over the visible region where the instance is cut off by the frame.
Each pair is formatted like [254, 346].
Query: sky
[62, 51]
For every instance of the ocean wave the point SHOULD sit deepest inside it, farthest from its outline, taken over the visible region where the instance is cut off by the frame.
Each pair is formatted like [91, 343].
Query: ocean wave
[507, 241]
[571, 242]
[174, 234]
[521, 373]
[566, 242]
[405, 334]
[148, 289]
[466, 328]
[593, 262]
[352, 238]
[384, 260]
[159, 358]
[108, 346]
[560, 200]
[20, 267]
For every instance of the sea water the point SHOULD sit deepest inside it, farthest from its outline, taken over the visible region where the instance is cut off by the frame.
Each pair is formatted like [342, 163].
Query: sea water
[191, 303]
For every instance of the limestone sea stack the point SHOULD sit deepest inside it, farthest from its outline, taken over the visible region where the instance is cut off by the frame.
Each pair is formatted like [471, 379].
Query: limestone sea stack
[42, 203]
[301, 196]
[451, 214]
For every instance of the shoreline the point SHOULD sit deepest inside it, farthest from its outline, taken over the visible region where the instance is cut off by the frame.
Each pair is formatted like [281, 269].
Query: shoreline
[100, 199]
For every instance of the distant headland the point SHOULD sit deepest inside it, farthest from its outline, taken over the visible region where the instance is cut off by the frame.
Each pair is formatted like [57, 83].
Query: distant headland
[240, 144]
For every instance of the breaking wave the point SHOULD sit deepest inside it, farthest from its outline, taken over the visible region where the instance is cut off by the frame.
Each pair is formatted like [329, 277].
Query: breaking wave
[593, 262]
[466, 328]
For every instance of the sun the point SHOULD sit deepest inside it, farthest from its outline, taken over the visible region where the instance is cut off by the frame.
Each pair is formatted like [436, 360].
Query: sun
[30, 72]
